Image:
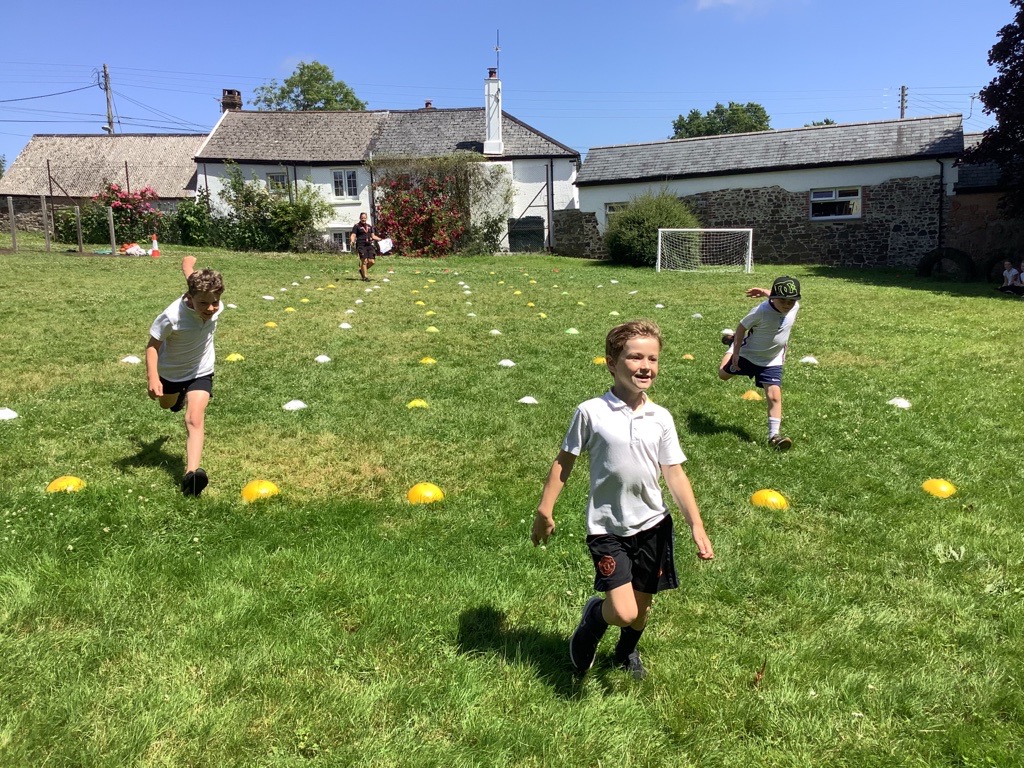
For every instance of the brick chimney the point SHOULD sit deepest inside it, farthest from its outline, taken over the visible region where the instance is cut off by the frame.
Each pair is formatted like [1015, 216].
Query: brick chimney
[230, 99]
[493, 145]
[428, 104]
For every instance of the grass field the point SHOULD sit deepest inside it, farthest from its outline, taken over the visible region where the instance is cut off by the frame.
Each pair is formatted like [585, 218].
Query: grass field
[338, 625]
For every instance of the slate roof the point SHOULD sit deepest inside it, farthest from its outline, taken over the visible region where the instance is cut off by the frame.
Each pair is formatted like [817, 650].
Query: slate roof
[80, 164]
[309, 138]
[977, 177]
[326, 138]
[818, 146]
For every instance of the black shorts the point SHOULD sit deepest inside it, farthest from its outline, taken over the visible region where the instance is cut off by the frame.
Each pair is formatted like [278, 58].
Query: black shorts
[644, 560]
[182, 388]
[763, 375]
[366, 251]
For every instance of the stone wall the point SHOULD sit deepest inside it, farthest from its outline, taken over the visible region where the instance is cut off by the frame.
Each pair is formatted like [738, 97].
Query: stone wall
[899, 224]
[575, 233]
[977, 228]
[28, 214]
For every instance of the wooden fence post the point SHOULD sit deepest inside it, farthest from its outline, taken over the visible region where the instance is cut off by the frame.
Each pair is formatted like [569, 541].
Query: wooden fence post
[46, 221]
[10, 216]
[110, 223]
[78, 226]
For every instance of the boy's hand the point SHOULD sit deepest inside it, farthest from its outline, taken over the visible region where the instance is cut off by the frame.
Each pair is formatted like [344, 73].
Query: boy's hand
[704, 550]
[758, 293]
[156, 390]
[543, 527]
[188, 265]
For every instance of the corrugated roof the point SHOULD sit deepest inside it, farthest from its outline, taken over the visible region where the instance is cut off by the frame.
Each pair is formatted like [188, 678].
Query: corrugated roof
[80, 164]
[319, 138]
[977, 177]
[854, 143]
[313, 138]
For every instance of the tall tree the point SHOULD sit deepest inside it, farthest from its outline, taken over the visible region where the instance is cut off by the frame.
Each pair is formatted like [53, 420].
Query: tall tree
[814, 123]
[310, 87]
[1003, 144]
[736, 118]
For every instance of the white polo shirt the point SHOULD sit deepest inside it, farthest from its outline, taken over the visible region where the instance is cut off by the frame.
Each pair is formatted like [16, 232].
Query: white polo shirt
[767, 334]
[626, 450]
[187, 349]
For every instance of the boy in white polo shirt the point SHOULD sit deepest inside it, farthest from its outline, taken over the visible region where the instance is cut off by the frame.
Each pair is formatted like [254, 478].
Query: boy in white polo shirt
[629, 440]
[179, 362]
[758, 348]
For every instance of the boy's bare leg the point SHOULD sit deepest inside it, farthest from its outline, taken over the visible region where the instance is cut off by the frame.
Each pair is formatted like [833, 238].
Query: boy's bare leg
[195, 425]
[722, 373]
[624, 606]
[773, 393]
[166, 401]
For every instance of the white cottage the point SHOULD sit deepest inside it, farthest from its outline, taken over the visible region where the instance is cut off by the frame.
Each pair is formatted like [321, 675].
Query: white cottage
[330, 150]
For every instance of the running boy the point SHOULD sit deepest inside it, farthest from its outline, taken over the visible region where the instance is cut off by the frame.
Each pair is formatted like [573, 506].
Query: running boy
[758, 348]
[179, 362]
[629, 530]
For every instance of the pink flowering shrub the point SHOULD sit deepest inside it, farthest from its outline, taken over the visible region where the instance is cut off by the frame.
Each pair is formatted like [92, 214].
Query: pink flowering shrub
[420, 213]
[135, 217]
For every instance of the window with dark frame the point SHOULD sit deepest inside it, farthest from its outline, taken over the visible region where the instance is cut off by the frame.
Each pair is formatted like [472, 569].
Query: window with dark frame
[346, 184]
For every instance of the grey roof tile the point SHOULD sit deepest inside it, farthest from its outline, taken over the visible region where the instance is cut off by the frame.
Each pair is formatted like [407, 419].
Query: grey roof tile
[817, 146]
[977, 177]
[80, 164]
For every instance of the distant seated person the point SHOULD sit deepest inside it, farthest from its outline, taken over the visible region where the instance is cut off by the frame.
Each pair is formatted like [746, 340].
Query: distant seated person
[1011, 280]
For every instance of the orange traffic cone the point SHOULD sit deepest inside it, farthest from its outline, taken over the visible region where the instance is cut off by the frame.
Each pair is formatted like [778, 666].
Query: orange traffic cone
[155, 252]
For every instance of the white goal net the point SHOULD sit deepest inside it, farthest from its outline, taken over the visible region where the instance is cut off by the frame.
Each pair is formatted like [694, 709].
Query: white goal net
[728, 250]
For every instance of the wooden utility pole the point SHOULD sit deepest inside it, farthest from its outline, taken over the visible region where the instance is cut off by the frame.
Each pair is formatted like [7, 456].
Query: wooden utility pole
[110, 101]
[903, 101]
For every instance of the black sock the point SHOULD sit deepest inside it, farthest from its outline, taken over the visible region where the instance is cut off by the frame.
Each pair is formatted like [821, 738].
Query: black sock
[595, 618]
[628, 640]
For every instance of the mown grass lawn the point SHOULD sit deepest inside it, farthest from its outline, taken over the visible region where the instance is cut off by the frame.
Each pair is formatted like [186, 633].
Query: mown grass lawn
[338, 625]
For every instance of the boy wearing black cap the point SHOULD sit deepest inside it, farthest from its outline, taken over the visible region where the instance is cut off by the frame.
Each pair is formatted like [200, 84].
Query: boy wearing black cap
[758, 348]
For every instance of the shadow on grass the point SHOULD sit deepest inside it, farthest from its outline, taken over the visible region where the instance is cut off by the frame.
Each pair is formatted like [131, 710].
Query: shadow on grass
[152, 454]
[907, 278]
[485, 630]
[698, 423]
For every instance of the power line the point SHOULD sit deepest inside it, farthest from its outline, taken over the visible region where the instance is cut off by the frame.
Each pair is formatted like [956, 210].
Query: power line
[47, 95]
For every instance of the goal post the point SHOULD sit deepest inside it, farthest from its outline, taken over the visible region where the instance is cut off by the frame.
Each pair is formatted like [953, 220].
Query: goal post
[726, 250]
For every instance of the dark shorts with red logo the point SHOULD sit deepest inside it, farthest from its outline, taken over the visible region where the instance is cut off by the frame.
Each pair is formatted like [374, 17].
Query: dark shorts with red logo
[645, 560]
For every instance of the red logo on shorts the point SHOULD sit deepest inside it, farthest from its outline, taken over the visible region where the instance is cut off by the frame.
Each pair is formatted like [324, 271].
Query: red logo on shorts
[606, 566]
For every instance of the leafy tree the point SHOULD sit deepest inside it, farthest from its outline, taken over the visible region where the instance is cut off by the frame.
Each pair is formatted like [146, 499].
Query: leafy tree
[1004, 97]
[736, 118]
[826, 121]
[632, 234]
[310, 87]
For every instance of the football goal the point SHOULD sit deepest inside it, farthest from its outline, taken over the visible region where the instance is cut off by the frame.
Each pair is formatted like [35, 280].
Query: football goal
[727, 250]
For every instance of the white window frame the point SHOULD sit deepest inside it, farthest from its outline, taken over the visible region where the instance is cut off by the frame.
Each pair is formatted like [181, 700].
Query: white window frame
[349, 180]
[610, 208]
[836, 195]
[340, 237]
[275, 185]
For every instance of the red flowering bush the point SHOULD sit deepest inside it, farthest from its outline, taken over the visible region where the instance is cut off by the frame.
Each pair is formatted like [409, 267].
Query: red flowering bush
[421, 213]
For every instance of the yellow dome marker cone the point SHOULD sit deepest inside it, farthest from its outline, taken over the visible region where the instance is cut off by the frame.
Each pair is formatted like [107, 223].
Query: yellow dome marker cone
[939, 488]
[417, 403]
[766, 497]
[751, 394]
[424, 493]
[66, 484]
[259, 489]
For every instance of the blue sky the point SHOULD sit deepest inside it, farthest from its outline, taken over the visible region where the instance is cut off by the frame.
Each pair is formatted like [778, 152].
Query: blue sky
[587, 73]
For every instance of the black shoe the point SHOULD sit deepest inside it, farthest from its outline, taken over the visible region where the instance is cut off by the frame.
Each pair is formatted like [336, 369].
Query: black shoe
[584, 641]
[780, 443]
[633, 666]
[194, 482]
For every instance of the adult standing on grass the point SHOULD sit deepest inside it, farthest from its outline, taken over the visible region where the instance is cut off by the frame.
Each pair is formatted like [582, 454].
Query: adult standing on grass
[758, 348]
[179, 362]
[362, 238]
[629, 440]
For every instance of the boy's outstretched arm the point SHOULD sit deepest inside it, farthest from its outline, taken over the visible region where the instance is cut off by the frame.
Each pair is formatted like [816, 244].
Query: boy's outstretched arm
[758, 293]
[682, 493]
[188, 265]
[156, 389]
[544, 521]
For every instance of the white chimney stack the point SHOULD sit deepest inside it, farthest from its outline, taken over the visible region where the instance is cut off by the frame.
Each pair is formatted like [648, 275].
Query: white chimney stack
[493, 145]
